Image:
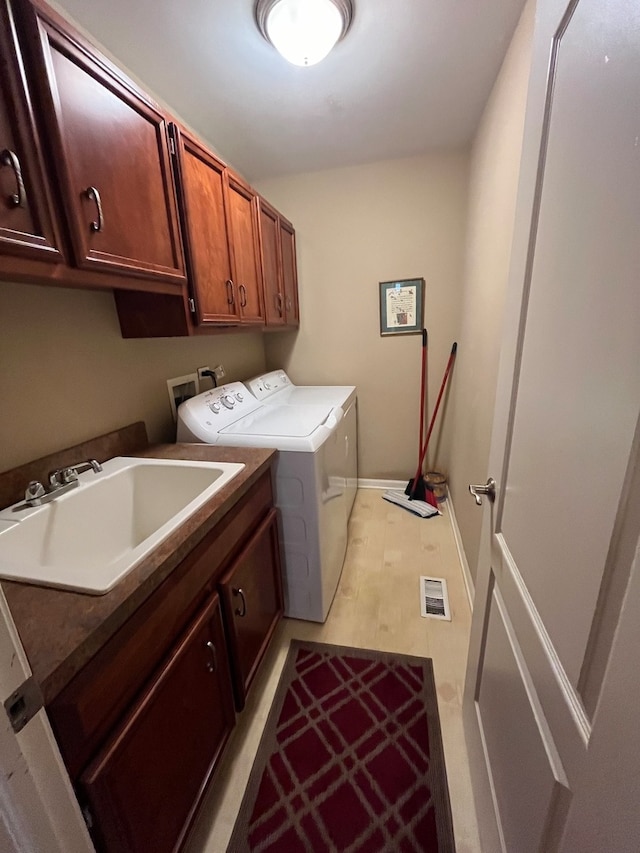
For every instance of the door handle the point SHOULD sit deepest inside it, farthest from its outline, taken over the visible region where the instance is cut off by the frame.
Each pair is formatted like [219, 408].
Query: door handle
[93, 194]
[230, 292]
[212, 664]
[489, 490]
[243, 296]
[10, 158]
[238, 612]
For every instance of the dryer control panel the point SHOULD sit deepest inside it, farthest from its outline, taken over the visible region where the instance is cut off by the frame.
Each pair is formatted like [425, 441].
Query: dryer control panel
[268, 384]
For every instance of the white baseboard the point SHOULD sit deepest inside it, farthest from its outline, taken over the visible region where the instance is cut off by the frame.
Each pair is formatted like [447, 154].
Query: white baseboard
[382, 484]
[466, 572]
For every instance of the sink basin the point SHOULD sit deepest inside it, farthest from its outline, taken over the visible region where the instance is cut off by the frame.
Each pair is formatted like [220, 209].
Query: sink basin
[89, 538]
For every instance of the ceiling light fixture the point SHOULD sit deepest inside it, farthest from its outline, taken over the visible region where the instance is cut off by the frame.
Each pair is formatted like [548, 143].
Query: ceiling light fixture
[304, 31]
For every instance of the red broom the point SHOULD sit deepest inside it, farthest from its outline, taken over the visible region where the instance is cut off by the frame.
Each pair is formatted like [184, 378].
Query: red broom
[416, 488]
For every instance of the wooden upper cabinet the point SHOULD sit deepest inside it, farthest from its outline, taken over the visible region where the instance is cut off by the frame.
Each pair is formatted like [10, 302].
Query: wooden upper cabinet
[289, 272]
[201, 196]
[27, 223]
[242, 225]
[279, 274]
[110, 147]
[271, 264]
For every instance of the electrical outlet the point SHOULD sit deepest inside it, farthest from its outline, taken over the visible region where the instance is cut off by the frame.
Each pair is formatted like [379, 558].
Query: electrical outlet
[201, 371]
[219, 372]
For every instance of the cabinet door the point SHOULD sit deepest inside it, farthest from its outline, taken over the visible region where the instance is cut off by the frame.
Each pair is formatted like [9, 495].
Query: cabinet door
[289, 272]
[242, 225]
[144, 786]
[27, 226]
[252, 604]
[271, 268]
[200, 178]
[112, 158]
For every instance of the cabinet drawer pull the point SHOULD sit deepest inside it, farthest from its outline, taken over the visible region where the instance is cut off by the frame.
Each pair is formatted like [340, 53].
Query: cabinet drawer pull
[93, 194]
[212, 664]
[243, 296]
[230, 296]
[238, 612]
[10, 158]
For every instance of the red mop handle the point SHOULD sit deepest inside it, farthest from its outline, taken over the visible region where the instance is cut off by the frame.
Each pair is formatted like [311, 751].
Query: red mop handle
[454, 349]
[422, 380]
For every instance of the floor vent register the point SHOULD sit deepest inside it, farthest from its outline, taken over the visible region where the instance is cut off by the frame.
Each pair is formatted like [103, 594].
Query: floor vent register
[434, 598]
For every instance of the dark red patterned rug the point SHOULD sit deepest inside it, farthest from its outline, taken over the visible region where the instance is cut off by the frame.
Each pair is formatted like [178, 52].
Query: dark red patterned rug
[350, 760]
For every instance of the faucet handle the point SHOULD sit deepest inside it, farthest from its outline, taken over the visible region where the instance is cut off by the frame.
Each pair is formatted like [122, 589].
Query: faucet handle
[62, 476]
[34, 491]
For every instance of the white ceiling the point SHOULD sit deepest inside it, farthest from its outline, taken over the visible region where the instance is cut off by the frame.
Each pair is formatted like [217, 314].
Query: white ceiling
[411, 75]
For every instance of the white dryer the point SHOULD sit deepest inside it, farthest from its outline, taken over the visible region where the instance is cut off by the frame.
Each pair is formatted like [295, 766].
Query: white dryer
[275, 388]
[308, 494]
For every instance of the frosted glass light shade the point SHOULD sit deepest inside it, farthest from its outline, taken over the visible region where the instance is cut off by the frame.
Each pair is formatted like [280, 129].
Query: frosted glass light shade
[303, 31]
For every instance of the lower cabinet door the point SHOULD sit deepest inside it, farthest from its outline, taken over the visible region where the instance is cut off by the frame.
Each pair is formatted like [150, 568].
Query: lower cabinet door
[143, 788]
[252, 604]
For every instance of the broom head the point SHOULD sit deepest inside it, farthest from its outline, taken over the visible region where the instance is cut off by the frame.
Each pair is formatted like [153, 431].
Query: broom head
[418, 490]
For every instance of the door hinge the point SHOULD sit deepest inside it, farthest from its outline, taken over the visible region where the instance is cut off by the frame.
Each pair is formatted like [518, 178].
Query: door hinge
[192, 305]
[24, 703]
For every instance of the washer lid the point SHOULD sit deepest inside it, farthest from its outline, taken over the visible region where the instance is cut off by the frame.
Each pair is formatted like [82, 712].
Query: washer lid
[309, 395]
[284, 421]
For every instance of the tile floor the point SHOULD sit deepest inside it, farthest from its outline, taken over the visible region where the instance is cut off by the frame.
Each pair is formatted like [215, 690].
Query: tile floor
[376, 606]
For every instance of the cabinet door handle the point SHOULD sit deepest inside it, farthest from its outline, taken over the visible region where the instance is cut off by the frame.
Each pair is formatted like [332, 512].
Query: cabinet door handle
[93, 194]
[279, 305]
[288, 303]
[230, 296]
[238, 612]
[212, 664]
[243, 296]
[10, 158]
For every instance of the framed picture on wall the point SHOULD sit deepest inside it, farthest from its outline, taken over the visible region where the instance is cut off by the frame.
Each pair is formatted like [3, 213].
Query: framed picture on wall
[402, 307]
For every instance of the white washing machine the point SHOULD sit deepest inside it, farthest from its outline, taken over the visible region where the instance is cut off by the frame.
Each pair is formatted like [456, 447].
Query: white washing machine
[275, 388]
[308, 474]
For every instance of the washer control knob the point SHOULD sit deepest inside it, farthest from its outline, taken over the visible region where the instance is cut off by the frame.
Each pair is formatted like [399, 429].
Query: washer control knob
[215, 407]
[267, 386]
[239, 396]
[228, 401]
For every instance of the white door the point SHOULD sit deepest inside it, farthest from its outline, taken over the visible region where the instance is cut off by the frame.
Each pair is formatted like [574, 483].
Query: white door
[553, 688]
[39, 811]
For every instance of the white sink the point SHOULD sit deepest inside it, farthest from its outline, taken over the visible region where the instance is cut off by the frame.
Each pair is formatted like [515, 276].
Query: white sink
[89, 538]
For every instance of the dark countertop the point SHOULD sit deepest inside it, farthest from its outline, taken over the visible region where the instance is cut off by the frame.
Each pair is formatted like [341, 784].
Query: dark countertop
[62, 630]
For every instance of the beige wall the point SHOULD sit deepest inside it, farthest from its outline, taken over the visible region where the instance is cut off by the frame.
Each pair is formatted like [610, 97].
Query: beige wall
[356, 227]
[66, 374]
[493, 179]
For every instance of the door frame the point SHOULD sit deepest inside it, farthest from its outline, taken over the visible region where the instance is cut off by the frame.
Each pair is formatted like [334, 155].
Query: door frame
[40, 811]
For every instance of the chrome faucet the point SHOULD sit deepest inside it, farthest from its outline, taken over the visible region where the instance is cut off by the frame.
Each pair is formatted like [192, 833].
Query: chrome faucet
[63, 476]
[60, 481]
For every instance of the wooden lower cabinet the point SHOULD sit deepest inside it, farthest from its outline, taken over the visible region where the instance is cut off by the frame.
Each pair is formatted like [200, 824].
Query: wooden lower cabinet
[143, 787]
[252, 604]
[142, 726]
